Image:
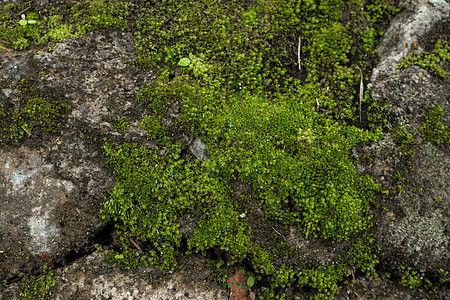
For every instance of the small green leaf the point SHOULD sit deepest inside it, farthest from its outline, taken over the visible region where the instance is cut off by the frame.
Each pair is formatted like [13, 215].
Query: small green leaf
[32, 21]
[184, 62]
[250, 281]
[23, 22]
[191, 56]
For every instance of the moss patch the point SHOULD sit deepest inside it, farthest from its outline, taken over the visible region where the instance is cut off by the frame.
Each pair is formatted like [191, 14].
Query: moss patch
[120, 124]
[272, 89]
[267, 122]
[430, 61]
[61, 21]
[35, 112]
[433, 129]
[406, 141]
[38, 288]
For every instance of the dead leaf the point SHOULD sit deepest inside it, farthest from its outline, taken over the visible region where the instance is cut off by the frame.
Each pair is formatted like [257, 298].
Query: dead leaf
[252, 295]
[238, 286]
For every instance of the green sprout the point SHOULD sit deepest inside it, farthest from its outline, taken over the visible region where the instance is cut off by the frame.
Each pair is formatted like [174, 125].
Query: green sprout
[184, 62]
[24, 22]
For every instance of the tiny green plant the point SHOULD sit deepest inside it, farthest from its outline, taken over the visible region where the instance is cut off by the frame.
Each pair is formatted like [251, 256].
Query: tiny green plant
[25, 22]
[434, 130]
[33, 288]
[185, 61]
[250, 281]
[120, 124]
[411, 279]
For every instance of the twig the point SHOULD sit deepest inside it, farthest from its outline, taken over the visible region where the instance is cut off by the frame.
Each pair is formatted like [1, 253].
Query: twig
[359, 297]
[29, 134]
[361, 93]
[26, 9]
[5, 42]
[279, 234]
[299, 58]
[136, 245]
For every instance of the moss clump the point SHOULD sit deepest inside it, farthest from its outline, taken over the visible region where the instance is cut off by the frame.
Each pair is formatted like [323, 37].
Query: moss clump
[59, 22]
[430, 61]
[153, 127]
[298, 165]
[362, 256]
[410, 278]
[377, 116]
[120, 124]
[38, 289]
[433, 129]
[406, 141]
[45, 112]
[267, 122]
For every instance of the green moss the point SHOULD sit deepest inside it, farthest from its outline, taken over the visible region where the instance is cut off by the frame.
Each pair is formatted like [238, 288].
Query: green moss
[284, 136]
[406, 141]
[324, 279]
[120, 124]
[399, 178]
[46, 113]
[12, 33]
[430, 61]
[130, 258]
[38, 288]
[410, 278]
[271, 146]
[268, 122]
[217, 270]
[377, 116]
[361, 255]
[433, 129]
[59, 22]
[444, 276]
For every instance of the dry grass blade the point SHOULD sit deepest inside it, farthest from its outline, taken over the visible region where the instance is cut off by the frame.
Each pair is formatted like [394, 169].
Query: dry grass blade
[361, 93]
[299, 58]
[279, 234]
[137, 246]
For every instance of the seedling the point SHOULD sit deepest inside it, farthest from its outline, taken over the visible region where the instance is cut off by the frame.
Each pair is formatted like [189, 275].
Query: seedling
[184, 62]
[23, 21]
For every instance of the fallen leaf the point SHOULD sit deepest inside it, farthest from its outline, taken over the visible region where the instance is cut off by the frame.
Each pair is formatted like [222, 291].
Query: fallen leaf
[238, 286]
[252, 296]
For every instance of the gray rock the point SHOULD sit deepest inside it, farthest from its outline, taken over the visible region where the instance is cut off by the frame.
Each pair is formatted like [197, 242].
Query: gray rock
[51, 188]
[417, 229]
[407, 28]
[31, 220]
[422, 237]
[198, 148]
[94, 278]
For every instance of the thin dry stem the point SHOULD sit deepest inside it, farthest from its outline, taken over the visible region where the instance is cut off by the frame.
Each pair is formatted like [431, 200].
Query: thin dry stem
[361, 94]
[136, 245]
[29, 134]
[279, 234]
[299, 48]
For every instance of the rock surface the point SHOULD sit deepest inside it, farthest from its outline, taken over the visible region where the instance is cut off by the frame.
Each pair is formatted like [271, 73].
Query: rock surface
[92, 277]
[410, 27]
[419, 227]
